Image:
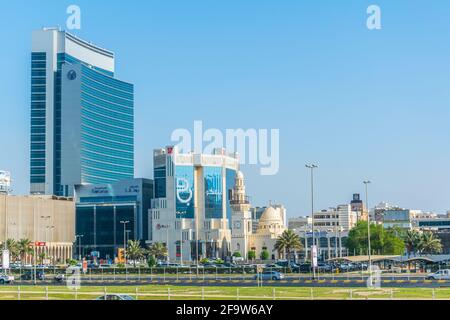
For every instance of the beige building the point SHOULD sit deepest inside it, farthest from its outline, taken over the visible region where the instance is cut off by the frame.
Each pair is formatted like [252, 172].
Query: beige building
[45, 219]
[270, 225]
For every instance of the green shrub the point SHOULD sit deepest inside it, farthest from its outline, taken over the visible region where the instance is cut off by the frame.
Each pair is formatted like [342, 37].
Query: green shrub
[265, 255]
[151, 261]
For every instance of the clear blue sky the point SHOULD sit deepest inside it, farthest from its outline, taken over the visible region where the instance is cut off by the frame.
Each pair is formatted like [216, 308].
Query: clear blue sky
[361, 104]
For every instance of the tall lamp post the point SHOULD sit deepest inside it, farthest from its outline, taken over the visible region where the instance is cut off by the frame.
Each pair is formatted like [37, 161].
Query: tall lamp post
[49, 228]
[125, 240]
[46, 227]
[312, 167]
[78, 238]
[366, 183]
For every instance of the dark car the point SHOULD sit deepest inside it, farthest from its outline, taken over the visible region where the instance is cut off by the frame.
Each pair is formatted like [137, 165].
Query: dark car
[303, 268]
[30, 276]
[324, 267]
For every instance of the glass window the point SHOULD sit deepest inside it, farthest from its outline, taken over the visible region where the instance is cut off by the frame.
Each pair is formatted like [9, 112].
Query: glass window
[184, 191]
[213, 192]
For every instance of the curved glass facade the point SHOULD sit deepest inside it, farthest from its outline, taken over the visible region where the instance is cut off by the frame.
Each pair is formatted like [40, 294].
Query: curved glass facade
[107, 126]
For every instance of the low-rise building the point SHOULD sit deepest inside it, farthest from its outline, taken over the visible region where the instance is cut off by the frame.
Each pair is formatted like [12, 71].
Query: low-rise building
[333, 218]
[100, 210]
[299, 223]
[47, 220]
[330, 244]
[401, 218]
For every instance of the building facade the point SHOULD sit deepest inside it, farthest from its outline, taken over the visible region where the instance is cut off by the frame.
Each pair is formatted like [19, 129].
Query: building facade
[401, 218]
[299, 223]
[46, 219]
[82, 117]
[269, 229]
[5, 182]
[342, 217]
[257, 212]
[330, 244]
[101, 208]
[357, 205]
[191, 211]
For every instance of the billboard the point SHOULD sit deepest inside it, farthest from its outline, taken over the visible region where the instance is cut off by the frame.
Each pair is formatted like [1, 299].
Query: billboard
[184, 191]
[5, 181]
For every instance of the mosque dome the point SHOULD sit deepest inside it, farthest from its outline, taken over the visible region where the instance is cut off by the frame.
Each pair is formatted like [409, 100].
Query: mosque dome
[270, 216]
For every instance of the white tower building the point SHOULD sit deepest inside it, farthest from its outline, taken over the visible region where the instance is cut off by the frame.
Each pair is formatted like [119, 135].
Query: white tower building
[241, 218]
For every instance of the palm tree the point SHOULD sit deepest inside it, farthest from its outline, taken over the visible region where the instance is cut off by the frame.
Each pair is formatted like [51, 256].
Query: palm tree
[158, 250]
[412, 240]
[24, 249]
[429, 244]
[42, 257]
[11, 245]
[288, 241]
[134, 251]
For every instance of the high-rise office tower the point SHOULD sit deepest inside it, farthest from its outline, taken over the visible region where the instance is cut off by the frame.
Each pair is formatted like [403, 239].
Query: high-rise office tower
[82, 117]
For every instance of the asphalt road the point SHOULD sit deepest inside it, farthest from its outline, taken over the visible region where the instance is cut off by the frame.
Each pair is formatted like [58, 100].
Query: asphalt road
[289, 281]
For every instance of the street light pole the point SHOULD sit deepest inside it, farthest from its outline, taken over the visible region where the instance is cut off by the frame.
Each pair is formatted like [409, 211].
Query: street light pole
[312, 167]
[366, 183]
[167, 243]
[46, 227]
[78, 237]
[124, 240]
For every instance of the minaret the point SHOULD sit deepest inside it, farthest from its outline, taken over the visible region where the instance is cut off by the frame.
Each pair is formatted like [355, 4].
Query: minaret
[241, 227]
[239, 201]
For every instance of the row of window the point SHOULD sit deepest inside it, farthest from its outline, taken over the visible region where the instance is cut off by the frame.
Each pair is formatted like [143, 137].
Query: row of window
[108, 128]
[107, 107]
[106, 119]
[38, 121]
[106, 166]
[107, 158]
[106, 135]
[125, 154]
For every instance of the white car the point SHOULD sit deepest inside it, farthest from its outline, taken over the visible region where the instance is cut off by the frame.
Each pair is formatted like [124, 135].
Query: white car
[440, 275]
[4, 278]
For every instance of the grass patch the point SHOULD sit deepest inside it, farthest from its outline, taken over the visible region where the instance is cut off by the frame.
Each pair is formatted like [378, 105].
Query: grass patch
[162, 292]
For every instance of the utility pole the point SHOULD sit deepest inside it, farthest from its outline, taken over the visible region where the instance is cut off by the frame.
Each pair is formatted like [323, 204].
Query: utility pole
[78, 239]
[125, 240]
[366, 183]
[313, 248]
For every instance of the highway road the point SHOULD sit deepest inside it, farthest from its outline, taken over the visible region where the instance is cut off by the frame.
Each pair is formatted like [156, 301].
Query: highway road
[290, 281]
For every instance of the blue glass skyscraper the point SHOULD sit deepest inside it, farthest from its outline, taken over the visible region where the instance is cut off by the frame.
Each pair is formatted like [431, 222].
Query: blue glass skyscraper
[82, 117]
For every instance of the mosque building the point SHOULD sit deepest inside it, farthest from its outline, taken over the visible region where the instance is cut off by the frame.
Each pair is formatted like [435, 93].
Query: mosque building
[243, 238]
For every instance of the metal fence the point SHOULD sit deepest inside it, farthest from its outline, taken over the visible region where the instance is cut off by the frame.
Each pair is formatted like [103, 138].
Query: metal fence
[43, 293]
